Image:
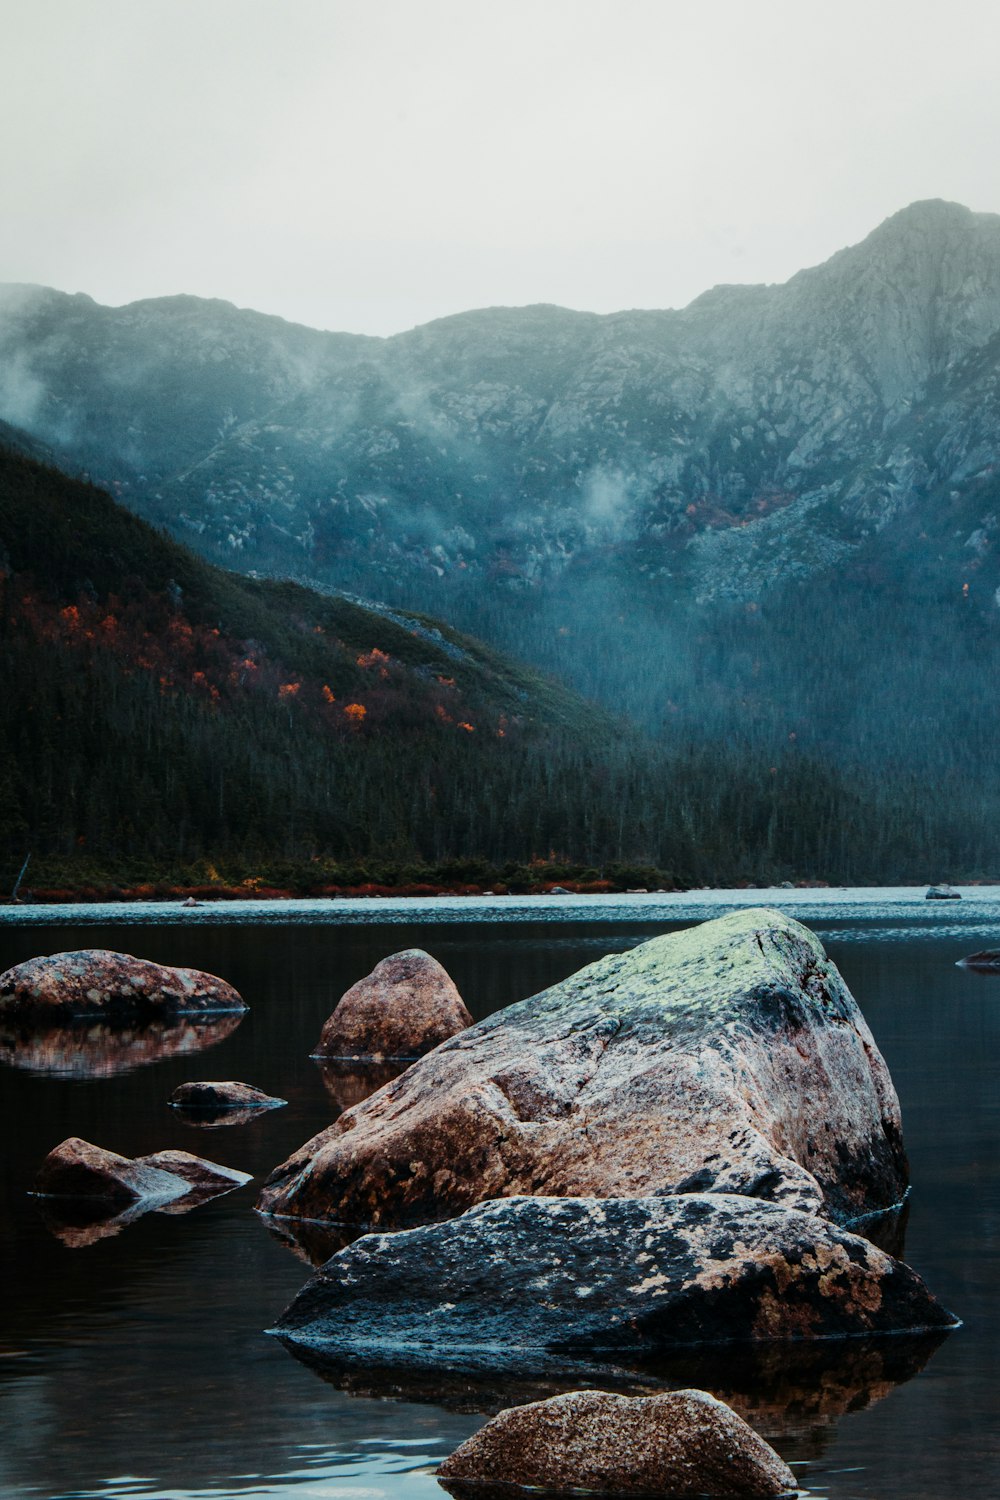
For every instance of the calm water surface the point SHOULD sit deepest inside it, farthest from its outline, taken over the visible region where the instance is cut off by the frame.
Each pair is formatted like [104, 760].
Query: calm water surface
[135, 1364]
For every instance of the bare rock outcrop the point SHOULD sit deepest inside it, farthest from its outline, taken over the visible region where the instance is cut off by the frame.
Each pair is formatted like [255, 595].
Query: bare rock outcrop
[681, 1443]
[538, 1283]
[405, 1007]
[727, 1058]
[99, 983]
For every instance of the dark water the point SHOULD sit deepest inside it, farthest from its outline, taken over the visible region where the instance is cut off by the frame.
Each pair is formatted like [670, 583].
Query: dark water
[135, 1364]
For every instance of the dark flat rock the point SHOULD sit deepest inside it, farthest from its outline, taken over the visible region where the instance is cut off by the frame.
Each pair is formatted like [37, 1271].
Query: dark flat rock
[521, 1283]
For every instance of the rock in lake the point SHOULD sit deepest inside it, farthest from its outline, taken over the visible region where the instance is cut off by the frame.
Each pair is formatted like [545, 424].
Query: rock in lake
[77, 1169]
[205, 1179]
[986, 961]
[728, 1058]
[683, 1443]
[221, 1098]
[90, 1194]
[534, 1284]
[405, 1007]
[99, 983]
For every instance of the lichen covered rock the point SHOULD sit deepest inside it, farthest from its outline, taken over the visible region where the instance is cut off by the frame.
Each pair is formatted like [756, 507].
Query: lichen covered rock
[728, 1058]
[534, 1283]
[96, 982]
[405, 1007]
[681, 1443]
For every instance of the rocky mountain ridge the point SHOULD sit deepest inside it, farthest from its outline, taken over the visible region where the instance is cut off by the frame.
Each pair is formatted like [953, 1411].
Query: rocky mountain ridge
[529, 472]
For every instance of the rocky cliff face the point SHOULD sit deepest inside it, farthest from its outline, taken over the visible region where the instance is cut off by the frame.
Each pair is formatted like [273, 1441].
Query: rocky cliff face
[761, 435]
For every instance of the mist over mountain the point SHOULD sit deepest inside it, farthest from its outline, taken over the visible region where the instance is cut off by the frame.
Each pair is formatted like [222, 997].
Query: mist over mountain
[768, 518]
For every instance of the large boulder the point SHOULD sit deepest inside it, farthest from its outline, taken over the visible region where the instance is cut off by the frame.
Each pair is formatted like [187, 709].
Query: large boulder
[97, 982]
[523, 1284]
[727, 1058]
[682, 1443]
[405, 1007]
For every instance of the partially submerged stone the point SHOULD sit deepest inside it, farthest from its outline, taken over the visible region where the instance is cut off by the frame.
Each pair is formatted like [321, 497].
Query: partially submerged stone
[90, 1193]
[214, 1098]
[682, 1443]
[206, 1178]
[535, 1283]
[987, 961]
[97, 982]
[405, 1007]
[728, 1058]
[77, 1169]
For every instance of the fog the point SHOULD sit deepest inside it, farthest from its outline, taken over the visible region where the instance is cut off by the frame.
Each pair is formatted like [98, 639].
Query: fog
[370, 166]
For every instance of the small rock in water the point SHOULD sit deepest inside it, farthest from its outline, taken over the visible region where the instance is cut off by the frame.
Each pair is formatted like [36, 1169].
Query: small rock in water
[97, 982]
[988, 960]
[684, 1443]
[405, 1007]
[214, 1096]
[78, 1169]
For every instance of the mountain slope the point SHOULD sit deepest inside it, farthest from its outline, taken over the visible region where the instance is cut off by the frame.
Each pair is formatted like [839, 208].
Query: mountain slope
[163, 716]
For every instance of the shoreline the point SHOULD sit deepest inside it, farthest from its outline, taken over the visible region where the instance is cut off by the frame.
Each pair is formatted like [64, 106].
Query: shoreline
[852, 903]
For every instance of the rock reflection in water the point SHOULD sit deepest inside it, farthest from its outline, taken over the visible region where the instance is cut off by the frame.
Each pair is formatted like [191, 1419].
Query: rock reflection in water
[349, 1081]
[79, 1223]
[794, 1394]
[100, 1049]
[312, 1243]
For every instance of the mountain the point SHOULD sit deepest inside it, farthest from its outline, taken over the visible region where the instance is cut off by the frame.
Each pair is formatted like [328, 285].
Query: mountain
[769, 519]
[761, 433]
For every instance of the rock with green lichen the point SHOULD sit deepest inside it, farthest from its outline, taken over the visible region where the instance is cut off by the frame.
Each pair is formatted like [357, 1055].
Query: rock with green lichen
[727, 1058]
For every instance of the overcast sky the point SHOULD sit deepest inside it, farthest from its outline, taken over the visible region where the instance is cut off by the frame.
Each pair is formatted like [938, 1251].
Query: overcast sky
[371, 164]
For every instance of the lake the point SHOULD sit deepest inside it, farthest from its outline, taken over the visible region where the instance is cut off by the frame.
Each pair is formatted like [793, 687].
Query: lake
[136, 1364]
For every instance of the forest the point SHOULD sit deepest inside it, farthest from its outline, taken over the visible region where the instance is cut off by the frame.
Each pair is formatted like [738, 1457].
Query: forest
[169, 725]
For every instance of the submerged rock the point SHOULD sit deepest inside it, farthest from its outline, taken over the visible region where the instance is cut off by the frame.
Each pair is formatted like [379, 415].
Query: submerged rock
[405, 1007]
[684, 1443]
[215, 1098]
[96, 982]
[534, 1283]
[728, 1058]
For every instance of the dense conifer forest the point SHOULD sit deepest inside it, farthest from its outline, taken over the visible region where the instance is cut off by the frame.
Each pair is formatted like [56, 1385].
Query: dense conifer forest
[168, 724]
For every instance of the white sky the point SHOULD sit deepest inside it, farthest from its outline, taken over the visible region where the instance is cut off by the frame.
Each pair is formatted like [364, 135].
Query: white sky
[371, 164]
